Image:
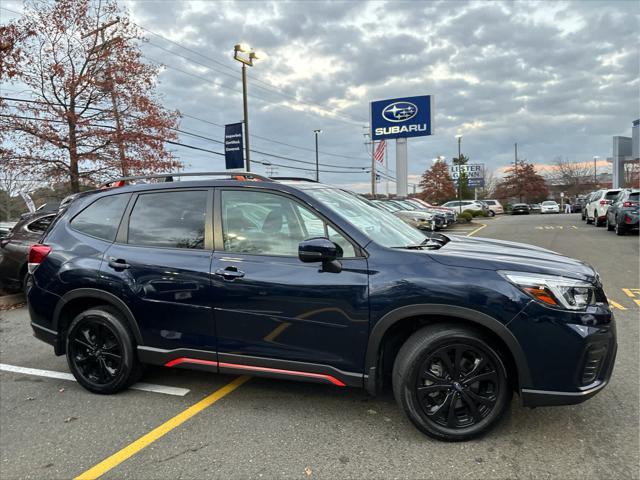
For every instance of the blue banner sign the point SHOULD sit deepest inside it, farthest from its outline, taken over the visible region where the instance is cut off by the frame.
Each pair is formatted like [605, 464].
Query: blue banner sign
[402, 117]
[233, 157]
[473, 171]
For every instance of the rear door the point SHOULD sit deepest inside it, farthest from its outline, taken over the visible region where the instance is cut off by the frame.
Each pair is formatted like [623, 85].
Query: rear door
[270, 305]
[160, 264]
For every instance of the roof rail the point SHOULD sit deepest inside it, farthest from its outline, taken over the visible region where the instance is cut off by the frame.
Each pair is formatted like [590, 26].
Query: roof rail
[170, 177]
[302, 179]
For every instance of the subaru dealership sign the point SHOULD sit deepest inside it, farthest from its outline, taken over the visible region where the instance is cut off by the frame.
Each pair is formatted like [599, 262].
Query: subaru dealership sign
[402, 117]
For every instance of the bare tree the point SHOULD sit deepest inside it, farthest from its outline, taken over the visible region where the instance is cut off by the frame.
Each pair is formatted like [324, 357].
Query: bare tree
[13, 181]
[576, 177]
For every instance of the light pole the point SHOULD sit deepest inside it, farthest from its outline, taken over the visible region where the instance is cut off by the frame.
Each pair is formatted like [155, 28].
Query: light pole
[317, 161]
[246, 60]
[595, 168]
[459, 137]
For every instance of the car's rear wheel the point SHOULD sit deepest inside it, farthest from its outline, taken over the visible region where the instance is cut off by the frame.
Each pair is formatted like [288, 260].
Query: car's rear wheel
[619, 229]
[100, 351]
[608, 225]
[451, 382]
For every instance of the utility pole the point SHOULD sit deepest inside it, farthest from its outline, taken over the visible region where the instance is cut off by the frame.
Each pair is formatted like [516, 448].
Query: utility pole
[317, 157]
[595, 168]
[459, 137]
[516, 172]
[111, 87]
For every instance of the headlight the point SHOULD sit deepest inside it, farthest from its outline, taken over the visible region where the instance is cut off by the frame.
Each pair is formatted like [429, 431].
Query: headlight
[554, 291]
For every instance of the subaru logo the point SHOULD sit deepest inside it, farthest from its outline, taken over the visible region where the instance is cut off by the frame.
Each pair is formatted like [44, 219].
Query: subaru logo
[399, 112]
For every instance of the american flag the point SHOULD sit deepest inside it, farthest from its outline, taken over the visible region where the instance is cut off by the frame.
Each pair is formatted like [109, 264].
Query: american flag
[378, 155]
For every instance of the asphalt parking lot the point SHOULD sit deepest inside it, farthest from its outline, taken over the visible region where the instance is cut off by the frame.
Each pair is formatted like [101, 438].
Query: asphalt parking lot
[52, 428]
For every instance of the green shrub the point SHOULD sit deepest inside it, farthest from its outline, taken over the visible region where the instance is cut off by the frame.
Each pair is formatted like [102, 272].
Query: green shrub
[477, 213]
[469, 212]
[465, 216]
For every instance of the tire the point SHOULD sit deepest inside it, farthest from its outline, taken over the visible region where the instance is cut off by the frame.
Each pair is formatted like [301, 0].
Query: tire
[619, 229]
[608, 225]
[492, 213]
[101, 351]
[471, 417]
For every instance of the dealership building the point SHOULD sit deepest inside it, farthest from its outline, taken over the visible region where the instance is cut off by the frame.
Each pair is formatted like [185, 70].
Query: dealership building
[626, 150]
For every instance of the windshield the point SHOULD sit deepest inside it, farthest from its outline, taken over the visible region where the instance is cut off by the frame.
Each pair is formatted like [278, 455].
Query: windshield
[380, 226]
[549, 203]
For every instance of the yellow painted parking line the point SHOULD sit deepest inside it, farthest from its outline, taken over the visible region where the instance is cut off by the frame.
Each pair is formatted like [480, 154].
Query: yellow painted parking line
[632, 292]
[147, 439]
[616, 305]
[476, 230]
[637, 300]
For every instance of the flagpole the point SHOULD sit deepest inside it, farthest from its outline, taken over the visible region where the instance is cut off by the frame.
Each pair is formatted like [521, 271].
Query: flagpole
[386, 168]
[373, 168]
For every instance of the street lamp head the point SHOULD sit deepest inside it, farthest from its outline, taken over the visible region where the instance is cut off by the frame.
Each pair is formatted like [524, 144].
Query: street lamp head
[317, 131]
[259, 55]
[459, 136]
[242, 47]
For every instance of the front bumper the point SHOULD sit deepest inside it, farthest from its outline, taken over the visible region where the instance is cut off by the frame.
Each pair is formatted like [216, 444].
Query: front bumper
[570, 355]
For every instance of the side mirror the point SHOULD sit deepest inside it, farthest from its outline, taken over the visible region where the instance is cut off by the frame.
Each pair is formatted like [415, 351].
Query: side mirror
[321, 250]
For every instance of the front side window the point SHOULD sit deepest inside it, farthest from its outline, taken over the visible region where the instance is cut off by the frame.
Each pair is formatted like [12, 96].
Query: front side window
[102, 217]
[169, 219]
[263, 223]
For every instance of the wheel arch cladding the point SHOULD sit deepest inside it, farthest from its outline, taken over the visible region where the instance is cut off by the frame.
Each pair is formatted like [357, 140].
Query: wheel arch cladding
[411, 317]
[78, 300]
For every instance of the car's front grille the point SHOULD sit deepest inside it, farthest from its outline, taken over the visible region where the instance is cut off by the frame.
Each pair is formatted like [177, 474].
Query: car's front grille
[593, 359]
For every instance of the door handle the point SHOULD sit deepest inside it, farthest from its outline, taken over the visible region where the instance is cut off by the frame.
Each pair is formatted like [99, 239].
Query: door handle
[229, 273]
[118, 264]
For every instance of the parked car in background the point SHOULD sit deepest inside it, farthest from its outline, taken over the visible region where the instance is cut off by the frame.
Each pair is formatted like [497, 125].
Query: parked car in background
[520, 209]
[14, 248]
[416, 218]
[462, 205]
[5, 228]
[495, 206]
[622, 215]
[450, 213]
[439, 217]
[549, 206]
[488, 210]
[585, 201]
[599, 204]
[535, 208]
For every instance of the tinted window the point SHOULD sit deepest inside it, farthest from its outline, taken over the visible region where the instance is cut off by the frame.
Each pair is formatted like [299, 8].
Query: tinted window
[490, 202]
[41, 225]
[102, 217]
[633, 196]
[611, 195]
[169, 219]
[262, 223]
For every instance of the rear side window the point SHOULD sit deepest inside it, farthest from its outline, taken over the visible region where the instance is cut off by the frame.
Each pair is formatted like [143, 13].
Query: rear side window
[41, 225]
[633, 196]
[102, 217]
[169, 219]
[612, 194]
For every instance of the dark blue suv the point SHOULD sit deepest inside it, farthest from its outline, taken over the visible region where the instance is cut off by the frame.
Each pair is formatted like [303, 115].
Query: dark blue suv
[300, 280]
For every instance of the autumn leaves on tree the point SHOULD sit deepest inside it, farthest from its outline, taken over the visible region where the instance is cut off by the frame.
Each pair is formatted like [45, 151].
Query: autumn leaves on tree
[92, 111]
[436, 184]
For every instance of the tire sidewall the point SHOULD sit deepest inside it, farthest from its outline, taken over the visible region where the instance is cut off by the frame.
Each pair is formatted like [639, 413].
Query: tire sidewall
[406, 393]
[111, 319]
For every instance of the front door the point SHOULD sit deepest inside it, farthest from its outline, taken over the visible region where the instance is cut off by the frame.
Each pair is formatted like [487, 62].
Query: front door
[161, 262]
[271, 305]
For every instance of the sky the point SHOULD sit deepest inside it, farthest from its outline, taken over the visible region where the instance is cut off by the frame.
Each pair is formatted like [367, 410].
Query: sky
[559, 78]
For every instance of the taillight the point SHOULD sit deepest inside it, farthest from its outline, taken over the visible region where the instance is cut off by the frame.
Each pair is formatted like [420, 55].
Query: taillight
[605, 202]
[37, 253]
[630, 204]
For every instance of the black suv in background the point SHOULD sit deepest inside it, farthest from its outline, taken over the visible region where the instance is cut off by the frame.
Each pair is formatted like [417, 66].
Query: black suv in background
[622, 215]
[300, 280]
[14, 248]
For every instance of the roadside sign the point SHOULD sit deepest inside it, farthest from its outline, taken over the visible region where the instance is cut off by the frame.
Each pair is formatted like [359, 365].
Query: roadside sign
[402, 117]
[473, 171]
[233, 157]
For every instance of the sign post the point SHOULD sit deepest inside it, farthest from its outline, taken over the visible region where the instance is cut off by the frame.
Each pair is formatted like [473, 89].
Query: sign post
[233, 157]
[401, 118]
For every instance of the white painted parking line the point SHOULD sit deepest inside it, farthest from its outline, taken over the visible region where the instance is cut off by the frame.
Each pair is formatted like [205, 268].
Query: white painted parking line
[145, 387]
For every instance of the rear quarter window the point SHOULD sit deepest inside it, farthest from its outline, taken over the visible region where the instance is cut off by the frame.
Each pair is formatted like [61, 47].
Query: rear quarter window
[633, 196]
[611, 195]
[102, 218]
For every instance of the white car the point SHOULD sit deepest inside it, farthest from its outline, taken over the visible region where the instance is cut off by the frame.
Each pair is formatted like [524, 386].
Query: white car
[461, 206]
[495, 206]
[550, 206]
[596, 209]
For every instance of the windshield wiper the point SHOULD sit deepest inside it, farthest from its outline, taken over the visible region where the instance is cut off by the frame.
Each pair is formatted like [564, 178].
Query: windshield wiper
[428, 244]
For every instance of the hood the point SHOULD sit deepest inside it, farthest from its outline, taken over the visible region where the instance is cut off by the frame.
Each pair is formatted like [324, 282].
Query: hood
[489, 254]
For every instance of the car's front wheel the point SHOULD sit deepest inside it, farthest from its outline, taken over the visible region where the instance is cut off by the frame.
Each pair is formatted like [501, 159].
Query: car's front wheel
[608, 224]
[100, 351]
[451, 382]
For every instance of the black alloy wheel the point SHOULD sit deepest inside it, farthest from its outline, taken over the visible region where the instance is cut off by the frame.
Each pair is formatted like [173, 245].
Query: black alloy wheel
[451, 382]
[100, 351]
[457, 386]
